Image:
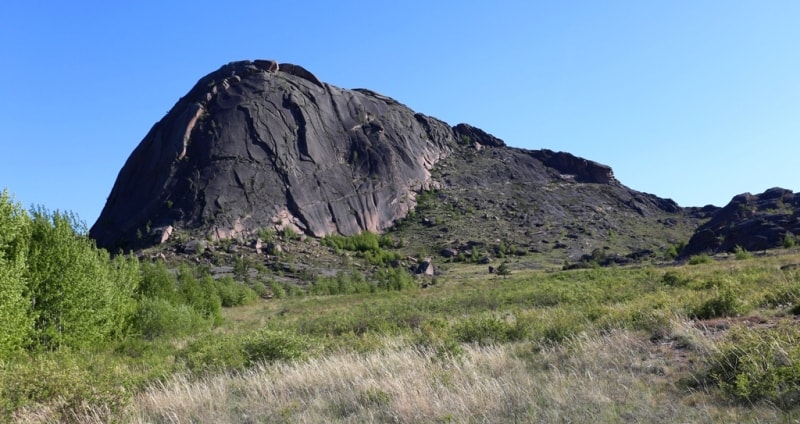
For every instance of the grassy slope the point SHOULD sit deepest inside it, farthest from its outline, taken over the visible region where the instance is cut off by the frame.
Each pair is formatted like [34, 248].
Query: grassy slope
[605, 345]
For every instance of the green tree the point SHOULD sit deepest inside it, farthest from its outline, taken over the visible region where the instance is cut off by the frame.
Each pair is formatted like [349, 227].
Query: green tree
[79, 296]
[14, 318]
[157, 282]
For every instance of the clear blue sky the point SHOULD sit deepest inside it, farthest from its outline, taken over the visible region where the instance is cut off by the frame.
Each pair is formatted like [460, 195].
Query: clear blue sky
[692, 100]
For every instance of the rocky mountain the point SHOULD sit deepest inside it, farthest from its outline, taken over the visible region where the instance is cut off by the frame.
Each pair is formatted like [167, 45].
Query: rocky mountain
[258, 145]
[752, 222]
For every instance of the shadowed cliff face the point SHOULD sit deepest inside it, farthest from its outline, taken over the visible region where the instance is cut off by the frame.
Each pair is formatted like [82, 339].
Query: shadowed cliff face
[259, 144]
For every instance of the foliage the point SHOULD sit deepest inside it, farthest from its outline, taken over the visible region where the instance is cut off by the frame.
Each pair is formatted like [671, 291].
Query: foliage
[763, 364]
[233, 293]
[288, 233]
[395, 279]
[675, 250]
[702, 258]
[79, 296]
[723, 302]
[157, 317]
[343, 283]
[489, 330]
[503, 270]
[157, 282]
[274, 345]
[238, 351]
[14, 318]
[266, 234]
[741, 253]
[367, 244]
[789, 240]
[65, 379]
[200, 294]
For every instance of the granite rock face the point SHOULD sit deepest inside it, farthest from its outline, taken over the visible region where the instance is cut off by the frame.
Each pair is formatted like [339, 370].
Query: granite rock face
[257, 145]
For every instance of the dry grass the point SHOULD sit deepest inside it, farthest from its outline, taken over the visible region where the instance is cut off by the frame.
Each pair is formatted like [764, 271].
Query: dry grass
[620, 376]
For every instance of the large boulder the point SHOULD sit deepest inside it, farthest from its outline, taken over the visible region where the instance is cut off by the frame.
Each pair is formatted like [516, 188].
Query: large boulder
[752, 222]
[262, 145]
[258, 144]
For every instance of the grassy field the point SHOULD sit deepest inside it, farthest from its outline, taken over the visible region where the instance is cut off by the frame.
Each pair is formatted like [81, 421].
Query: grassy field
[717, 341]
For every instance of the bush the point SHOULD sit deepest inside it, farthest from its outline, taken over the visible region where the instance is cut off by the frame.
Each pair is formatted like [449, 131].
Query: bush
[673, 279]
[367, 244]
[740, 253]
[79, 296]
[789, 240]
[343, 283]
[228, 352]
[723, 303]
[395, 279]
[274, 345]
[160, 318]
[66, 381]
[675, 250]
[201, 295]
[702, 258]
[488, 330]
[232, 293]
[754, 365]
[158, 282]
[14, 318]
[214, 352]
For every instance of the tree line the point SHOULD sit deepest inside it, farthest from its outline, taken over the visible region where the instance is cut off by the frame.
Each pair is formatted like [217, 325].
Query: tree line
[58, 290]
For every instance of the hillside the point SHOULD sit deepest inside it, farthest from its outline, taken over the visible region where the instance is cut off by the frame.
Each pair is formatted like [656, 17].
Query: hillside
[261, 146]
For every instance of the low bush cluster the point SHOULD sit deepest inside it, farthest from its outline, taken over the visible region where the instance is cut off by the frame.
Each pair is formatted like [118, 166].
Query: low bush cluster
[760, 365]
[368, 245]
[237, 351]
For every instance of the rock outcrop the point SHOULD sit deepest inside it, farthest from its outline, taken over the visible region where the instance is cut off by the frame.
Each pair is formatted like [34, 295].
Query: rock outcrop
[752, 222]
[260, 144]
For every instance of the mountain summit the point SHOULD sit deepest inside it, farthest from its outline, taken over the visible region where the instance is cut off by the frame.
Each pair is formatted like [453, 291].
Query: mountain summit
[258, 144]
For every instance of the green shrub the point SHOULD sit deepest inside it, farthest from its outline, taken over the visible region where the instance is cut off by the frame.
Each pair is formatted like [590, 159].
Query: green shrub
[673, 279]
[79, 296]
[277, 290]
[723, 303]
[395, 279]
[702, 258]
[368, 245]
[66, 381]
[160, 318]
[266, 234]
[675, 250]
[764, 364]
[344, 283]
[273, 345]
[789, 240]
[233, 293]
[488, 330]
[14, 319]
[217, 352]
[740, 253]
[200, 294]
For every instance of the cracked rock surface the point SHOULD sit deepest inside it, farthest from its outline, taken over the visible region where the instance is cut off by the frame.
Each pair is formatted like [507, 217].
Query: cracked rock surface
[259, 144]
